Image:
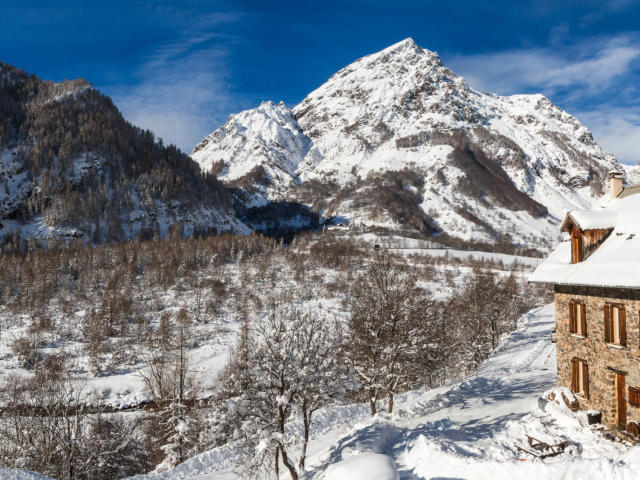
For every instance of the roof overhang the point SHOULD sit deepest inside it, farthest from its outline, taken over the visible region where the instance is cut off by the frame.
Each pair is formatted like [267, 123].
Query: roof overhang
[568, 222]
[589, 285]
[585, 220]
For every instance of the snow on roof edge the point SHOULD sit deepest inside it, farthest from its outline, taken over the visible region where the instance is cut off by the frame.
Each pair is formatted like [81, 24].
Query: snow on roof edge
[613, 265]
[592, 219]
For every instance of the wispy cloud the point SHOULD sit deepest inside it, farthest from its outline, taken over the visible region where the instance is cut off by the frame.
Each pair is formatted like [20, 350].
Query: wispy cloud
[595, 80]
[617, 130]
[183, 87]
[594, 66]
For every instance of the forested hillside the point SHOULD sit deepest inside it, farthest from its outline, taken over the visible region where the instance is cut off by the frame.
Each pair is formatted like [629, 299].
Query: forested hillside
[72, 166]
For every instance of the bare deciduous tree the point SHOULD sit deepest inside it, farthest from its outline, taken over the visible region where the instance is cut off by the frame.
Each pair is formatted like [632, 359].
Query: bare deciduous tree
[46, 426]
[385, 329]
[286, 369]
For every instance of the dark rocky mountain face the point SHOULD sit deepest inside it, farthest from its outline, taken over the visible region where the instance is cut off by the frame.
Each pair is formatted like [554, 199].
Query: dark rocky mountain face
[72, 166]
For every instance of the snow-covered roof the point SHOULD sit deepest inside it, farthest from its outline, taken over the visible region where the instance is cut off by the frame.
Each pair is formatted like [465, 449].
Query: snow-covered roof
[615, 263]
[592, 219]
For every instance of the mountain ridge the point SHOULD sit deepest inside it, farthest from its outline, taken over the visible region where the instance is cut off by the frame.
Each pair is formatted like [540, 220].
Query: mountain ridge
[72, 167]
[402, 109]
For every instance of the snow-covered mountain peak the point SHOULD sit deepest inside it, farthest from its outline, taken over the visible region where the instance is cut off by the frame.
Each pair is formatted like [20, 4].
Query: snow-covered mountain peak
[406, 47]
[399, 67]
[264, 144]
[477, 160]
[382, 97]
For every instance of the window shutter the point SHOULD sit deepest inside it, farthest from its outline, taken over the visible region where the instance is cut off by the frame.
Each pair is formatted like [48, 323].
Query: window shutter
[580, 250]
[572, 317]
[607, 323]
[623, 326]
[585, 379]
[576, 248]
[574, 375]
[583, 319]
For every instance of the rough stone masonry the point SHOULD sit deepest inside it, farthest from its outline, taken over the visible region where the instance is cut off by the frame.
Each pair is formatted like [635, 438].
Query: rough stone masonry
[603, 359]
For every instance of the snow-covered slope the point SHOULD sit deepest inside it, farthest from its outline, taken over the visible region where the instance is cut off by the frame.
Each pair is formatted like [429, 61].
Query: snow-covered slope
[6, 474]
[481, 165]
[468, 430]
[267, 137]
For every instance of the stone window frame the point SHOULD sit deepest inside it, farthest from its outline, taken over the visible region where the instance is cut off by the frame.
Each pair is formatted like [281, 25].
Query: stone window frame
[609, 327]
[576, 377]
[578, 326]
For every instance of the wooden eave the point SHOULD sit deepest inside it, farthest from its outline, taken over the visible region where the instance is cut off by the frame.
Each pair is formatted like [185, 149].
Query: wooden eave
[568, 224]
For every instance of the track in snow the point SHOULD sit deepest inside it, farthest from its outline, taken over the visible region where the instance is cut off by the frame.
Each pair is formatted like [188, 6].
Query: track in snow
[464, 418]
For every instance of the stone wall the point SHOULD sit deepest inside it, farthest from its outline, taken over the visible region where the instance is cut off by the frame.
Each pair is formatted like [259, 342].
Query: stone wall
[602, 358]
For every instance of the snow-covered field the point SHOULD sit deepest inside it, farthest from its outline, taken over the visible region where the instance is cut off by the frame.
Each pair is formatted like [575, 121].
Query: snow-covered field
[468, 430]
[410, 246]
[121, 385]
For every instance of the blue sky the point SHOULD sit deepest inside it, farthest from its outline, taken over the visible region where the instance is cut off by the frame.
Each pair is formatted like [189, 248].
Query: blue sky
[180, 68]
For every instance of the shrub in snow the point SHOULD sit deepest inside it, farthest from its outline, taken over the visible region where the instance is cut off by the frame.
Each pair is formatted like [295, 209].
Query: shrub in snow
[284, 369]
[181, 435]
[45, 426]
[483, 309]
[26, 349]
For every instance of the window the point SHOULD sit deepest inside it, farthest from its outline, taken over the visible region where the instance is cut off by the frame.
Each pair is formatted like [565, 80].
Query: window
[634, 396]
[615, 325]
[580, 377]
[577, 318]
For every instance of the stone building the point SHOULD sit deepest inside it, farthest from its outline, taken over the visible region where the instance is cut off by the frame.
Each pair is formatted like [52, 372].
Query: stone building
[596, 278]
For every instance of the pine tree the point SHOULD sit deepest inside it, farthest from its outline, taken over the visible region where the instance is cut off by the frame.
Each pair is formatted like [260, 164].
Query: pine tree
[181, 434]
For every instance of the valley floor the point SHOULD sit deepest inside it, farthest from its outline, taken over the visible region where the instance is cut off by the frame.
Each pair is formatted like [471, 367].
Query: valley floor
[466, 431]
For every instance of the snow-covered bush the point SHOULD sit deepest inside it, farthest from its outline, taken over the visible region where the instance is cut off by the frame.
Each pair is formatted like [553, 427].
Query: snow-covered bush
[46, 427]
[284, 369]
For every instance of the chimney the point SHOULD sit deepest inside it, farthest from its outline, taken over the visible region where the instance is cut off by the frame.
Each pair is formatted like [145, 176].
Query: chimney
[615, 183]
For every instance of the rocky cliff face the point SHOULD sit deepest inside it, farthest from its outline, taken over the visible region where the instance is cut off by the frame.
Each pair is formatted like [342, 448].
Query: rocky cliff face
[398, 141]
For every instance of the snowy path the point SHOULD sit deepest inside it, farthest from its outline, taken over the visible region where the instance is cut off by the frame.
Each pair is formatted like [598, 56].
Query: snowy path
[465, 431]
[463, 419]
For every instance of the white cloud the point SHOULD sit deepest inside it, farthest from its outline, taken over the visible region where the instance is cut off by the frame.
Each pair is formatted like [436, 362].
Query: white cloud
[592, 66]
[183, 90]
[617, 130]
